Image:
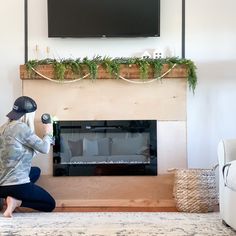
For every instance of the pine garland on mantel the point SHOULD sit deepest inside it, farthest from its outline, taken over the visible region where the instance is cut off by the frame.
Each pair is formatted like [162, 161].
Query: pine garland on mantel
[77, 67]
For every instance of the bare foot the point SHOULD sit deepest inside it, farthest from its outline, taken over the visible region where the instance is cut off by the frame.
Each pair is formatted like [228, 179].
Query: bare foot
[12, 204]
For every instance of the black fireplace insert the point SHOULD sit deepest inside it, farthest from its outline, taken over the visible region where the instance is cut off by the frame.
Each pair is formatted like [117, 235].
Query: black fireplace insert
[105, 147]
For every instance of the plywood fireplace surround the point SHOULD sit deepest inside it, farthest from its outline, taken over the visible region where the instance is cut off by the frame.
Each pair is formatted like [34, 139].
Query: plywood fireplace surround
[164, 101]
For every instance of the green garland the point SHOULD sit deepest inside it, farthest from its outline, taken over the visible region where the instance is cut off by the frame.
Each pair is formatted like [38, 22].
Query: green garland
[113, 66]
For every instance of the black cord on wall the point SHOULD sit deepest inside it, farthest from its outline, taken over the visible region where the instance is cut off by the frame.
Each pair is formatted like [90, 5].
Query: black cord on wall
[183, 29]
[26, 30]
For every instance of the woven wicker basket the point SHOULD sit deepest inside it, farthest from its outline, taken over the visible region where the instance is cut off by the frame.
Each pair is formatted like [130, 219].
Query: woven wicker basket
[195, 190]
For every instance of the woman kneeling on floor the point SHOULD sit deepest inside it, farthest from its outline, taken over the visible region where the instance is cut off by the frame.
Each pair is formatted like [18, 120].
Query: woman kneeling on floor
[18, 145]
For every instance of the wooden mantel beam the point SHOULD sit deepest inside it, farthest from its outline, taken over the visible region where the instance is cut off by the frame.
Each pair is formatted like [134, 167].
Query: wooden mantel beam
[129, 72]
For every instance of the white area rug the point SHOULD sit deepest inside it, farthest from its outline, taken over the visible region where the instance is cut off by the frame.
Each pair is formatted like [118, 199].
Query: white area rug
[114, 224]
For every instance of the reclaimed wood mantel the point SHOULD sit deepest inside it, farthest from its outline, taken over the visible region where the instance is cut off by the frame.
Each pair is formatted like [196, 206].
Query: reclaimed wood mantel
[129, 72]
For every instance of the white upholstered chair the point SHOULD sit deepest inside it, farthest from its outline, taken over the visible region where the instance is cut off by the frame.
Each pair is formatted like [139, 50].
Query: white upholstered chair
[227, 181]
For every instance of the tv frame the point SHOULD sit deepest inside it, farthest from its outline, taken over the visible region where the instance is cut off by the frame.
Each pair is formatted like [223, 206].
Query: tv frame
[102, 35]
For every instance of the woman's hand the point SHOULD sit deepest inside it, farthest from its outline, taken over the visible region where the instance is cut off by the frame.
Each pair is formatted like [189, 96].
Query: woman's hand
[48, 129]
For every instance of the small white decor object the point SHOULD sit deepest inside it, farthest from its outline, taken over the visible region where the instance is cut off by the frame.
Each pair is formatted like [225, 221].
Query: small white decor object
[146, 55]
[157, 54]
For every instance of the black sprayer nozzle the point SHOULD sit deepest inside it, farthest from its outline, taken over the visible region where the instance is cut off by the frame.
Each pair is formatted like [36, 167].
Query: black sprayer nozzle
[46, 118]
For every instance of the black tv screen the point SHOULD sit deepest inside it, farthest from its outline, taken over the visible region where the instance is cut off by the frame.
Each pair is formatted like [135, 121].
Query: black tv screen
[103, 18]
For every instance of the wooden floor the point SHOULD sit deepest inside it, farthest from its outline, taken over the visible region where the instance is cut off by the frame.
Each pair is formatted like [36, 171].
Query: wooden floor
[102, 209]
[115, 209]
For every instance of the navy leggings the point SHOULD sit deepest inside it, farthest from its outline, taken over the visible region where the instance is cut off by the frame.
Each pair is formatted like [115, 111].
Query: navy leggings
[31, 195]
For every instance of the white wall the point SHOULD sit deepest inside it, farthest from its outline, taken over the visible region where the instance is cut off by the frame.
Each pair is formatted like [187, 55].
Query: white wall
[11, 53]
[120, 47]
[210, 42]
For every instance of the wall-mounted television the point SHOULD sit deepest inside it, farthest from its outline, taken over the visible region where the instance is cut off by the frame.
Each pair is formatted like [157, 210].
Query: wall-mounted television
[103, 18]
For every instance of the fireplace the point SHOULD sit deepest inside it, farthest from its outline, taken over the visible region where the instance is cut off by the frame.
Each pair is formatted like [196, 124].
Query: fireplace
[105, 147]
[110, 99]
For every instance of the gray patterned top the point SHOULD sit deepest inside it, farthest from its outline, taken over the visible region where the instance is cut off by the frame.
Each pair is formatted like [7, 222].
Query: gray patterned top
[18, 145]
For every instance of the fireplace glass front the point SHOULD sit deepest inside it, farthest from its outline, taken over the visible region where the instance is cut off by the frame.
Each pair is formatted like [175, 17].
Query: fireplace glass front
[105, 147]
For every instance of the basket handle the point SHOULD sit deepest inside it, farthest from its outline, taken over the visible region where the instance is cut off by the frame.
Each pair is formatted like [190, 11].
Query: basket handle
[172, 169]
